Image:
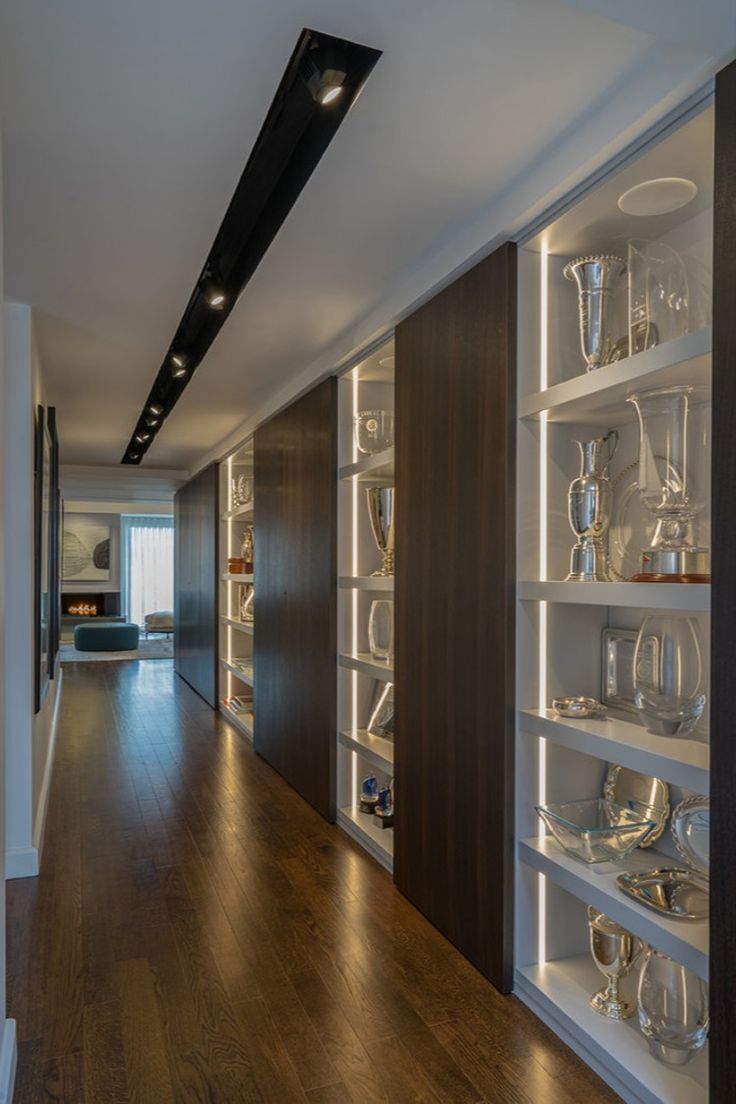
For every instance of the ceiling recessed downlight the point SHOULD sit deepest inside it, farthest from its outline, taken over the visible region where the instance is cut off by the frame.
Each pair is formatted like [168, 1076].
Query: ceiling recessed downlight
[658, 197]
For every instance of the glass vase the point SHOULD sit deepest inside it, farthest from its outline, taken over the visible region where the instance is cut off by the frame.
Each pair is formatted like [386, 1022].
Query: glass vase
[381, 629]
[668, 674]
[374, 431]
[673, 1009]
[659, 301]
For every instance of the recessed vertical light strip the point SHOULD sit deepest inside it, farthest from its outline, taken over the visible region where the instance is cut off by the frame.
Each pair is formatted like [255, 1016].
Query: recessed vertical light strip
[354, 600]
[542, 629]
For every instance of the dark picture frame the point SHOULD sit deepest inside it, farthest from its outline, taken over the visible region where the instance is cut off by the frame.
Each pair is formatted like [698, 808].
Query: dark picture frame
[46, 551]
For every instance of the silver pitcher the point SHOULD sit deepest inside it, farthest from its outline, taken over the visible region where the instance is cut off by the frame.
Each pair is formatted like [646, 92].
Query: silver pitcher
[596, 278]
[589, 511]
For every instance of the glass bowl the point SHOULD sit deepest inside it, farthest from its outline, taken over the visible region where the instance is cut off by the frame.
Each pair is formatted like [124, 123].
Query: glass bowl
[595, 830]
[374, 431]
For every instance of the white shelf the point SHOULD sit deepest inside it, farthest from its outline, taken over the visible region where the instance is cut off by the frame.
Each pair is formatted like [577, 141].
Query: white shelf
[245, 676]
[229, 578]
[595, 884]
[378, 466]
[239, 625]
[376, 750]
[363, 828]
[238, 512]
[559, 992]
[367, 582]
[683, 763]
[690, 597]
[367, 665]
[242, 721]
[598, 398]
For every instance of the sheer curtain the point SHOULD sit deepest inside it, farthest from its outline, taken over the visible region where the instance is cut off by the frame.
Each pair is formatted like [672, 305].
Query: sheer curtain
[147, 545]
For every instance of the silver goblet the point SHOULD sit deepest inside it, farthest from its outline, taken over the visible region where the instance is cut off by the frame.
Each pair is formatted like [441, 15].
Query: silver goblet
[596, 278]
[614, 952]
[381, 503]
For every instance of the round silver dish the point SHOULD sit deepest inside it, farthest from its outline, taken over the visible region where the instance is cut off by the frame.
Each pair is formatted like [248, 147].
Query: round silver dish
[679, 894]
[578, 707]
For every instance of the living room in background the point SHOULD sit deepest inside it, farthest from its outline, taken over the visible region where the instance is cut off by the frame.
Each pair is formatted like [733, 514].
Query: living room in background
[147, 551]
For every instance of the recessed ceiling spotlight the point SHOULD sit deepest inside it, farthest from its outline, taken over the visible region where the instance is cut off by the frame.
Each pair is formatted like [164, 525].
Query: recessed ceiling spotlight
[325, 86]
[156, 409]
[151, 421]
[141, 438]
[133, 455]
[179, 364]
[658, 197]
[216, 299]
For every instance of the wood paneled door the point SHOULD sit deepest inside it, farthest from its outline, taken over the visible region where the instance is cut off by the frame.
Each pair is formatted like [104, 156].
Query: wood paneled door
[195, 583]
[295, 677]
[455, 416]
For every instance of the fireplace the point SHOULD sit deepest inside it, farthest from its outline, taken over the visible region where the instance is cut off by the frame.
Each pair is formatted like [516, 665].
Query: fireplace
[86, 605]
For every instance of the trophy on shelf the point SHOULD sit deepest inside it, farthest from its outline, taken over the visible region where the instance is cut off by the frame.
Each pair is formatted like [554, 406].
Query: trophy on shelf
[614, 952]
[596, 278]
[384, 811]
[381, 721]
[369, 794]
[381, 510]
[246, 550]
[247, 596]
[673, 435]
[589, 511]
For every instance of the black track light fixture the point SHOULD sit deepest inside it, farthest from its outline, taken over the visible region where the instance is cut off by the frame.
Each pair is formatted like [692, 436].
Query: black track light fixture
[321, 82]
[142, 437]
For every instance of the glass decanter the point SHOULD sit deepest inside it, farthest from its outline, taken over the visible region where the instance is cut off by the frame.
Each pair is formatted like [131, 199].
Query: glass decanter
[668, 674]
[673, 1009]
[674, 433]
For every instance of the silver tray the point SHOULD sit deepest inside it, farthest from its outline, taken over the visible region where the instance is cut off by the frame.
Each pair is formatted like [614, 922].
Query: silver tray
[617, 666]
[641, 793]
[679, 894]
[691, 832]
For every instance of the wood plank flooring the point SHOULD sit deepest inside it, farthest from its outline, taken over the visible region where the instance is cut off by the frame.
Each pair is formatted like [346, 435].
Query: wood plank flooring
[198, 933]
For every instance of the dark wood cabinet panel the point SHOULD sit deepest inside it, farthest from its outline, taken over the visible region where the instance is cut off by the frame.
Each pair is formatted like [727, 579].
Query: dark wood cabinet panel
[195, 583]
[723, 617]
[295, 597]
[456, 409]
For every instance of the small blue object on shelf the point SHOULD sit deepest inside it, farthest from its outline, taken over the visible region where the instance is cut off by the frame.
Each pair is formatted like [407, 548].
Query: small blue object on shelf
[384, 810]
[369, 794]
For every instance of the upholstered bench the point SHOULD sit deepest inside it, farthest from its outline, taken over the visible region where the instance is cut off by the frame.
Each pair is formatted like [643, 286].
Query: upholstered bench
[110, 637]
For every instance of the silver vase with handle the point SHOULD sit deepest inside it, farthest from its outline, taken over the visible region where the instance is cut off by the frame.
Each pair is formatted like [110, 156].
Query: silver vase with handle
[589, 510]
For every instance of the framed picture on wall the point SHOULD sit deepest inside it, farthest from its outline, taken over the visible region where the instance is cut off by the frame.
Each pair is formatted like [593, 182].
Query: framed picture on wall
[42, 510]
[86, 550]
[54, 545]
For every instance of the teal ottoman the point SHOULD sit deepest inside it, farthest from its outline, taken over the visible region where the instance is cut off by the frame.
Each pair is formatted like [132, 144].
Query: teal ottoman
[113, 637]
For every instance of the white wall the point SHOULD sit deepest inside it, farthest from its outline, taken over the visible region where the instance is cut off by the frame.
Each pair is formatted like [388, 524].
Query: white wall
[29, 737]
[7, 1027]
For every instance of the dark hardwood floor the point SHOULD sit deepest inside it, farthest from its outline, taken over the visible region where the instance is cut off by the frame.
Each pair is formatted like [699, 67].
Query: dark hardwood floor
[199, 933]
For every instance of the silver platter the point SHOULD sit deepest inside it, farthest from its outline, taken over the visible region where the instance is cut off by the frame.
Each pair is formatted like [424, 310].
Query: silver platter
[641, 793]
[679, 894]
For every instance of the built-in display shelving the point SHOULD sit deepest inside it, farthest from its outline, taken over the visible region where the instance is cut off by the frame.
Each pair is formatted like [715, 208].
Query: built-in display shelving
[560, 623]
[236, 636]
[362, 679]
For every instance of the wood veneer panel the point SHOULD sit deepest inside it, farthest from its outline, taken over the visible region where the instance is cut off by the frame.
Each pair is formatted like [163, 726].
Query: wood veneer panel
[295, 571]
[723, 617]
[195, 583]
[455, 405]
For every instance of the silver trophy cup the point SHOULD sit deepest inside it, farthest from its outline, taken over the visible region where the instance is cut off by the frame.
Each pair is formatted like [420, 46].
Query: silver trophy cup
[614, 952]
[596, 278]
[381, 503]
[589, 511]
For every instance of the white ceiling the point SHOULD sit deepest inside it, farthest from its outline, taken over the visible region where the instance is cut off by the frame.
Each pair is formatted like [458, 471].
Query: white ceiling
[126, 127]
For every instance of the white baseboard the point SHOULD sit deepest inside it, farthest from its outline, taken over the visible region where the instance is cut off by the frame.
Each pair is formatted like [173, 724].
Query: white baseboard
[8, 1062]
[43, 796]
[21, 862]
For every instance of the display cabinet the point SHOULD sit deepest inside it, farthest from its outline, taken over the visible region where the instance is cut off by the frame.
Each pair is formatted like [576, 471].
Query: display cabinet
[613, 604]
[365, 737]
[237, 589]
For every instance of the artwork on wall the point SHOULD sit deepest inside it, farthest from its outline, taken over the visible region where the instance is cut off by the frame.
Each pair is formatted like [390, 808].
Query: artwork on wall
[86, 550]
[46, 550]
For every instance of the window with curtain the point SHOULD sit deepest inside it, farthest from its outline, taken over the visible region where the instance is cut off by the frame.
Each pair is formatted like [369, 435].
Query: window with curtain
[147, 546]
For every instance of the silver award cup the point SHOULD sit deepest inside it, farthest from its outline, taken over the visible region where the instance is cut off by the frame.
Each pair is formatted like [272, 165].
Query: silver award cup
[381, 502]
[596, 278]
[589, 511]
[614, 952]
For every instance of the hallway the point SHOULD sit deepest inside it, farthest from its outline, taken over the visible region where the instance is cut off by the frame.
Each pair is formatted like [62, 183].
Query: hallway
[198, 933]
